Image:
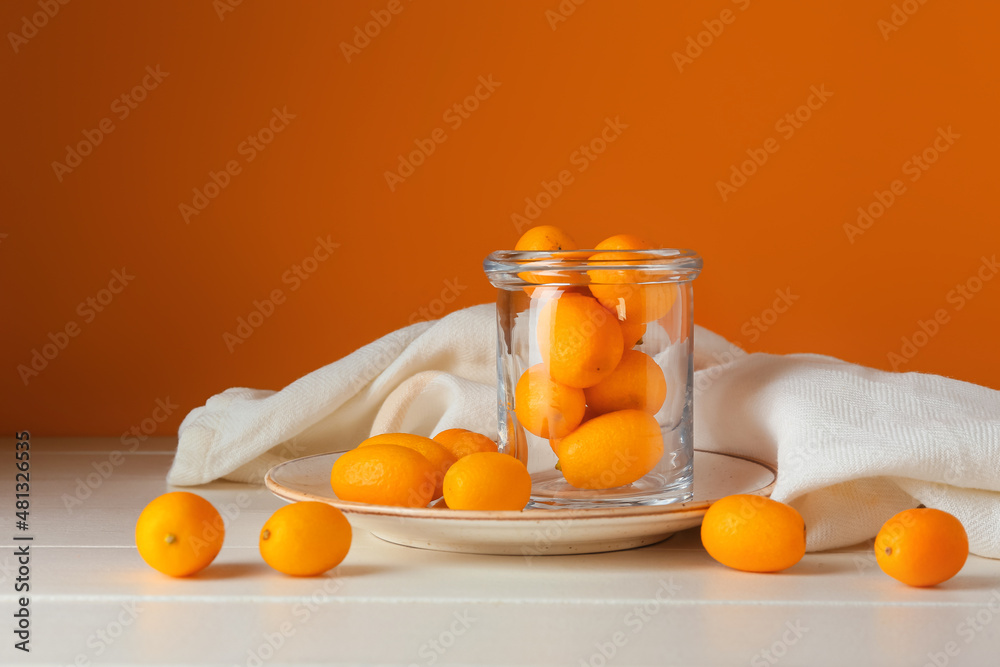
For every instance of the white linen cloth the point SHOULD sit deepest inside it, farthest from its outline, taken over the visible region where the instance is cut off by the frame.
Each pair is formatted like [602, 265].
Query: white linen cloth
[853, 445]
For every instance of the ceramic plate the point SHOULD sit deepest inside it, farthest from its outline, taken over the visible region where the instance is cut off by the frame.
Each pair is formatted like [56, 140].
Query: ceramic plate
[533, 531]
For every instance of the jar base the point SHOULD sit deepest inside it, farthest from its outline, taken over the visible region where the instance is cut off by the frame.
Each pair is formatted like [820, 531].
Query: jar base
[550, 490]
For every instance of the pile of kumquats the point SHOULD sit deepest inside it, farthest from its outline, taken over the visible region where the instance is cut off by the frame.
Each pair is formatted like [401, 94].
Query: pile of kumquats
[181, 533]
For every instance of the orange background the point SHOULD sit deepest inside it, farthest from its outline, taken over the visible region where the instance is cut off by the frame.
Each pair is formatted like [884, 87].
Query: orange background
[323, 175]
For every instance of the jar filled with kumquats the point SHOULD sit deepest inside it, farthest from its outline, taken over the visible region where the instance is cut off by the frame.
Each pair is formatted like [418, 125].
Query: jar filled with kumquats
[594, 368]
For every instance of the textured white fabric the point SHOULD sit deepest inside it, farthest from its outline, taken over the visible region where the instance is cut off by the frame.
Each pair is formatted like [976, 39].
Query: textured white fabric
[853, 445]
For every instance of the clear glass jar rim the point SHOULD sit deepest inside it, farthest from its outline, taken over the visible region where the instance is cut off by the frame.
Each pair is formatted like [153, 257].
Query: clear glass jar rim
[680, 264]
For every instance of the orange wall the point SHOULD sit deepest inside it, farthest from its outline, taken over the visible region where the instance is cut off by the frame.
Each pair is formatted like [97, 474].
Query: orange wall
[410, 247]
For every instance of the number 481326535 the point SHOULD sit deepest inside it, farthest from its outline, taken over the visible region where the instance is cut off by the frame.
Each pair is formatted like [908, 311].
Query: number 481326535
[21, 477]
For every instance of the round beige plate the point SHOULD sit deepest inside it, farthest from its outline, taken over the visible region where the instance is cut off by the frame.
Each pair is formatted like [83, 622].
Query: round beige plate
[534, 531]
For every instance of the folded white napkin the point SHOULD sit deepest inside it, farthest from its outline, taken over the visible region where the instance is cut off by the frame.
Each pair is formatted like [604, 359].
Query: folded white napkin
[853, 445]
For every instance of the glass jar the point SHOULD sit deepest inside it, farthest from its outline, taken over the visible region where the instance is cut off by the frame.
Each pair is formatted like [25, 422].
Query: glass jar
[594, 373]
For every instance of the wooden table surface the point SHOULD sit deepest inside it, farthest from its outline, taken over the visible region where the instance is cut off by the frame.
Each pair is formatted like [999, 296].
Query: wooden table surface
[94, 601]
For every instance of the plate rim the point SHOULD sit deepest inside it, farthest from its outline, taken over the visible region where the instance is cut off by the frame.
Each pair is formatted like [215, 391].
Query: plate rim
[508, 515]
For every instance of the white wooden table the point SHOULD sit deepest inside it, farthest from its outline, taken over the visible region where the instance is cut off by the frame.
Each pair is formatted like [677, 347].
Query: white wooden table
[93, 600]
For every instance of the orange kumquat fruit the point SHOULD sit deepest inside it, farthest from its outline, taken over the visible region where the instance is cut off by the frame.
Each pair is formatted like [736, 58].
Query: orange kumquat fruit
[753, 533]
[179, 533]
[610, 450]
[469, 443]
[637, 383]
[305, 539]
[545, 237]
[487, 481]
[545, 407]
[580, 342]
[922, 547]
[384, 475]
[434, 452]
